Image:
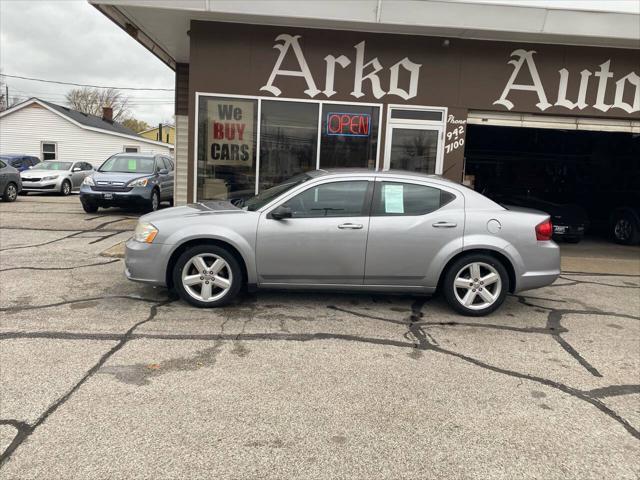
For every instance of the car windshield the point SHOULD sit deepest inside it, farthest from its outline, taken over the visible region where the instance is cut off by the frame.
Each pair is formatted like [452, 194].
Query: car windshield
[54, 165]
[254, 203]
[123, 164]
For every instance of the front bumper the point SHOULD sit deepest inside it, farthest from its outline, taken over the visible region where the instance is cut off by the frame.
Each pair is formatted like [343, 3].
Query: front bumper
[135, 196]
[146, 262]
[40, 186]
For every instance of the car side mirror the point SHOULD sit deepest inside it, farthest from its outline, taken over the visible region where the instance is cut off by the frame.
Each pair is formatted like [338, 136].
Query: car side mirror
[163, 171]
[76, 169]
[281, 212]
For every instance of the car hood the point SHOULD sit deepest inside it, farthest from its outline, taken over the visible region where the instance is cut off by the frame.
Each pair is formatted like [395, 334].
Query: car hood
[118, 176]
[42, 172]
[211, 207]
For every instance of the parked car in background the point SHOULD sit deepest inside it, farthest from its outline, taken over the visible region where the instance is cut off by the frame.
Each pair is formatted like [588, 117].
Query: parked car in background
[421, 234]
[129, 180]
[55, 176]
[569, 221]
[20, 162]
[10, 183]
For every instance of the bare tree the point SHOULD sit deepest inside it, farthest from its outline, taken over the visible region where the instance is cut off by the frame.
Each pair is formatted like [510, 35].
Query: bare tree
[91, 100]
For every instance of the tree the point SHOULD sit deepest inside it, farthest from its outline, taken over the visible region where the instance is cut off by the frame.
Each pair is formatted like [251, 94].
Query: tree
[91, 100]
[135, 125]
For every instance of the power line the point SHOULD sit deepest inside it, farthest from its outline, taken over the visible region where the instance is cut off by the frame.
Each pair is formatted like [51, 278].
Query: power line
[85, 85]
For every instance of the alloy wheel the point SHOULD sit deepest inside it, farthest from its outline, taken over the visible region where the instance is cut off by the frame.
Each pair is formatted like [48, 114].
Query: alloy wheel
[66, 189]
[622, 229]
[12, 192]
[477, 285]
[207, 277]
[155, 201]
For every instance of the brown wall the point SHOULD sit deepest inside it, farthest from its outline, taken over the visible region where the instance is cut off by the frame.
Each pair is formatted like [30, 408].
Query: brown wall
[463, 75]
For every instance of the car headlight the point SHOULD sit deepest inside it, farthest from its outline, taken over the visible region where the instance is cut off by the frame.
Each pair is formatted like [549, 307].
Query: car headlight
[88, 181]
[138, 182]
[50, 177]
[145, 232]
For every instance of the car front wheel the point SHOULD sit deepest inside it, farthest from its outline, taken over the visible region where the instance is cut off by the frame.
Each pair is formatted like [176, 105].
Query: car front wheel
[89, 207]
[207, 276]
[65, 189]
[476, 285]
[625, 230]
[10, 192]
[154, 202]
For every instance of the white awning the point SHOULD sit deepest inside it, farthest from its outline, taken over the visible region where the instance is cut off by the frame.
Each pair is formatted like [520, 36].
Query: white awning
[498, 119]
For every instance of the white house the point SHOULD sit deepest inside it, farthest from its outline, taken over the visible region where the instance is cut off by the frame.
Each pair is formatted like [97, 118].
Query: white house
[54, 132]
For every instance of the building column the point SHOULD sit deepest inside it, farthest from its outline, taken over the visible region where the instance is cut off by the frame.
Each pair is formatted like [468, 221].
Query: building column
[182, 133]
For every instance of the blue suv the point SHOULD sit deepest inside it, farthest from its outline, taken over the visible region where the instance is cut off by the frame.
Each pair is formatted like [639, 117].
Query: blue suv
[129, 180]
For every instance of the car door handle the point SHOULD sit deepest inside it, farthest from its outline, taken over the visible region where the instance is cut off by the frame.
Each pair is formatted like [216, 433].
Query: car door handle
[350, 226]
[445, 225]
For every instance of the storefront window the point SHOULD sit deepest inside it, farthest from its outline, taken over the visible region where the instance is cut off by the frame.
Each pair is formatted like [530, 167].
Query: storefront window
[226, 148]
[288, 140]
[349, 136]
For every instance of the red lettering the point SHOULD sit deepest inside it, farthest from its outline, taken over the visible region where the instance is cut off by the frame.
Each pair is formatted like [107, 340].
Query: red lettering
[218, 131]
[229, 131]
[240, 127]
[364, 125]
[332, 126]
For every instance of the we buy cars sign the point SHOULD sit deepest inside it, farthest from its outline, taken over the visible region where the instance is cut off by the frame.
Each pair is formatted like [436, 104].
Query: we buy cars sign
[230, 132]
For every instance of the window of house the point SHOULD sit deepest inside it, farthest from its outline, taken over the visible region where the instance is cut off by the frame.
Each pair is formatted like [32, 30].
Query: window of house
[349, 136]
[335, 199]
[131, 149]
[49, 150]
[288, 140]
[394, 198]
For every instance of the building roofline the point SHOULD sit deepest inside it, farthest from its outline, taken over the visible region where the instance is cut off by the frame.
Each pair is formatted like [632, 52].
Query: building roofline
[44, 104]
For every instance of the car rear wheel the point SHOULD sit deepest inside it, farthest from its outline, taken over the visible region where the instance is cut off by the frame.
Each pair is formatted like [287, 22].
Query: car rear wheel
[10, 192]
[207, 276]
[476, 284]
[625, 229]
[65, 189]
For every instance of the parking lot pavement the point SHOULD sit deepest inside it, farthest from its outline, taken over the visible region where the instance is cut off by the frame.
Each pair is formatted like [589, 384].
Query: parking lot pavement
[103, 378]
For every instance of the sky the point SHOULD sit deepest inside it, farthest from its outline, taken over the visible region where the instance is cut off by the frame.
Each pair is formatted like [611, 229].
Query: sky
[71, 41]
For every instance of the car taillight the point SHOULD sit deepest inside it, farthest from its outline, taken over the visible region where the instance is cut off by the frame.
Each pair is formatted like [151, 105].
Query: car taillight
[544, 230]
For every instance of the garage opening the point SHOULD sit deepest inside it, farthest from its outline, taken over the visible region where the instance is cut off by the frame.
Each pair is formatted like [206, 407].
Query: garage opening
[578, 176]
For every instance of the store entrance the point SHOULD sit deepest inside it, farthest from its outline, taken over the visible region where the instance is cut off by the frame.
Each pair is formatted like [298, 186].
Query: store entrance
[414, 140]
[570, 174]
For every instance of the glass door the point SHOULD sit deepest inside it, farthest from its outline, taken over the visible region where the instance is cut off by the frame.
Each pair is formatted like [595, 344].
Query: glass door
[414, 139]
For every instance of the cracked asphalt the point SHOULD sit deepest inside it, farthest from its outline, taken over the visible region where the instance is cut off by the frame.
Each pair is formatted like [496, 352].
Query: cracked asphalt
[104, 378]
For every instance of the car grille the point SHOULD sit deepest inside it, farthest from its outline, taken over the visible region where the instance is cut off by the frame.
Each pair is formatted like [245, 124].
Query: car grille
[102, 186]
[32, 179]
[40, 187]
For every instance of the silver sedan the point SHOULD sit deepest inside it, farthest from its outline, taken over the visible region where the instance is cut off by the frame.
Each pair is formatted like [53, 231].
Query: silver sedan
[355, 230]
[55, 176]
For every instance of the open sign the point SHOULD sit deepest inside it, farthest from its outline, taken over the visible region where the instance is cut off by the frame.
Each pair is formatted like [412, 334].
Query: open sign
[349, 124]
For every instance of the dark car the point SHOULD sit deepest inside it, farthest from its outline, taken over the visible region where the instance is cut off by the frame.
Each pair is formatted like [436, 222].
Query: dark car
[20, 162]
[10, 183]
[129, 180]
[569, 221]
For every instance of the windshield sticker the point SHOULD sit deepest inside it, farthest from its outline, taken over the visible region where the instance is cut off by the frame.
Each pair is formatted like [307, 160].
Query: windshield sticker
[132, 165]
[393, 199]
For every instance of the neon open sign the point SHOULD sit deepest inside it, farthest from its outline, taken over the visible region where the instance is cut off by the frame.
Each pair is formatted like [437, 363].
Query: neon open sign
[349, 124]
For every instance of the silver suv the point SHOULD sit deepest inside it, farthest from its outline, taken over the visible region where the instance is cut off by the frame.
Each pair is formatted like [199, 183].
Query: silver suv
[349, 230]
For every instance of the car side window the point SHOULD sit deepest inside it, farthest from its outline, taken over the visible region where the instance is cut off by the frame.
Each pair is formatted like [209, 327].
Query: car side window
[335, 199]
[35, 161]
[168, 163]
[88, 166]
[16, 163]
[396, 198]
[2, 164]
